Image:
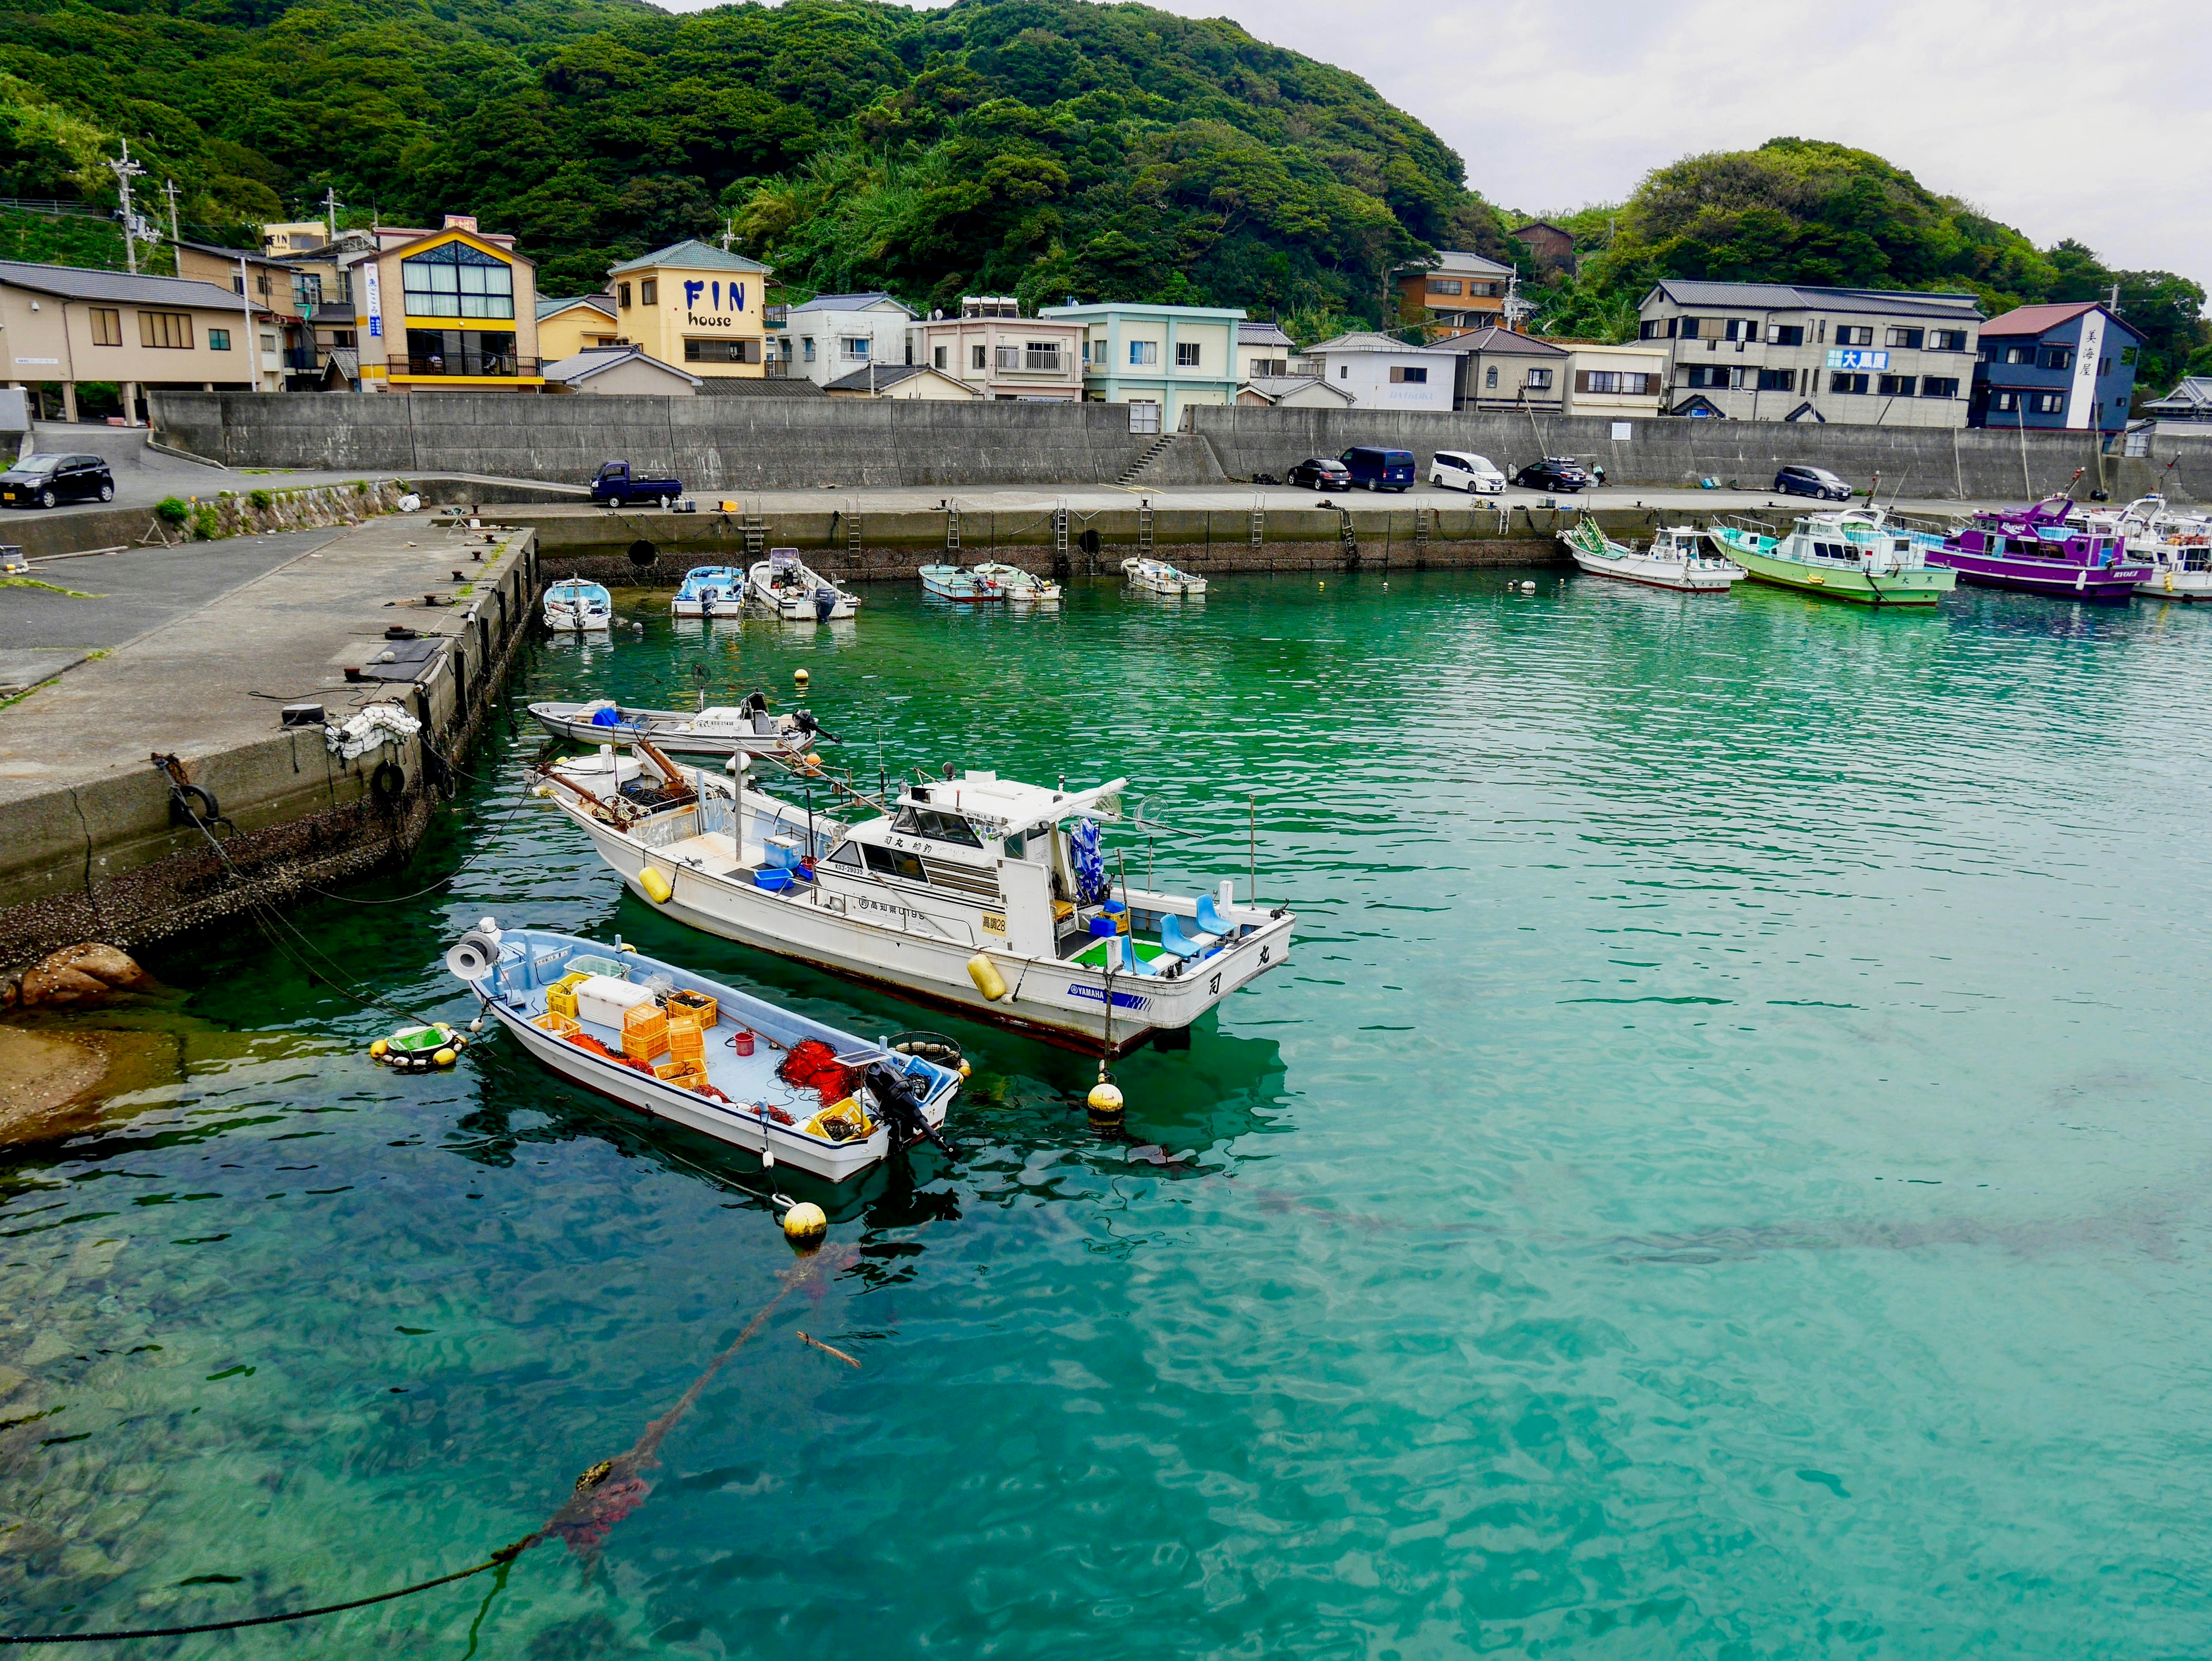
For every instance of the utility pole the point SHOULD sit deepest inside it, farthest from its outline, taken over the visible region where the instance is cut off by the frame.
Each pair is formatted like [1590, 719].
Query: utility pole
[125, 170]
[169, 190]
[253, 328]
[331, 209]
[729, 233]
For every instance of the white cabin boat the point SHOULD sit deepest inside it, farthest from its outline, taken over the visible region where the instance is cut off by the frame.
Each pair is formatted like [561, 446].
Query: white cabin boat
[977, 893]
[2176, 546]
[784, 587]
[1018, 586]
[1680, 556]
[740, 1093]
[1156, 576]
[573, 606]
[710, 591]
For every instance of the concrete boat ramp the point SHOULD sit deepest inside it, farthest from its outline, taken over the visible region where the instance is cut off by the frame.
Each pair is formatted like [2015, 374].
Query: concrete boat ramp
[102, 844]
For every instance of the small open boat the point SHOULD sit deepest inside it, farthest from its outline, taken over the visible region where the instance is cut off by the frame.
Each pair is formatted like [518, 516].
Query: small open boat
[1156, 576]
[1018, 586]
[710, 591]
[747, 729]
[1680, 557]
[573, 606]
[959, 585]
[736, 1068]
[782, 586]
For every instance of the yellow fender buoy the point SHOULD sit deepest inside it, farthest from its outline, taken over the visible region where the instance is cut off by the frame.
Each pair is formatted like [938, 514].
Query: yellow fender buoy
[656, 886]
[801, 676]
[985, 973]
[446, 1057]
[1105, 1103]
[966, 1071]
[380, 1048]
[804, 1224]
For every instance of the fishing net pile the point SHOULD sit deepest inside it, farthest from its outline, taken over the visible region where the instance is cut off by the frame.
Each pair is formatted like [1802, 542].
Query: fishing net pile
[812, 1064]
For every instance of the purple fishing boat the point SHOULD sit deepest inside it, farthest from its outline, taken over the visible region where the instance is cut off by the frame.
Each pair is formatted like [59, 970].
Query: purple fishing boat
[2036, 552]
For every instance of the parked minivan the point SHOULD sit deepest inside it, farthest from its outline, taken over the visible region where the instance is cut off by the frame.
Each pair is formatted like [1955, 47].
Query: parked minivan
[1380, 470]
[1463, 470]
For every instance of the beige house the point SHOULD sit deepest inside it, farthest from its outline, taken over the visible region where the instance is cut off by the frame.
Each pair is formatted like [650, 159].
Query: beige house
[566, 327]
[1293, 392]
[61, 326]
[451, 309]
[1603, 379]
[997, 353]
[902, 380]
[695, 304]
[1502, 369]
[619, 369]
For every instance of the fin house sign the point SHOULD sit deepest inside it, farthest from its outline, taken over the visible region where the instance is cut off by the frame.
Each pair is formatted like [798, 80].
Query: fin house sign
[710, 303]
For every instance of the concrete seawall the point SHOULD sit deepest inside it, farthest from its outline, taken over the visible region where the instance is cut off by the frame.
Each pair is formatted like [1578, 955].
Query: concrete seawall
[98, 847]
[727, 444]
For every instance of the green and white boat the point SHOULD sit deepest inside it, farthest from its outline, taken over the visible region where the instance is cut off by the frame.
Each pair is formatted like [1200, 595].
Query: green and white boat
[1854, 555]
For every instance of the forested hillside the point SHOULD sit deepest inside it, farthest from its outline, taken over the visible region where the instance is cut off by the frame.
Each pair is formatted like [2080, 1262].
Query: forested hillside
[1044, 148]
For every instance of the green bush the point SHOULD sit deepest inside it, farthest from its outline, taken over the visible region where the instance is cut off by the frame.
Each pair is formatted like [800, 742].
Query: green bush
[262, 501]
[171, 510]
[206, 526]
[361, 487]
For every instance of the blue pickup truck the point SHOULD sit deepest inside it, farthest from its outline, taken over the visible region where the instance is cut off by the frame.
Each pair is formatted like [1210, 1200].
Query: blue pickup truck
[614, 486]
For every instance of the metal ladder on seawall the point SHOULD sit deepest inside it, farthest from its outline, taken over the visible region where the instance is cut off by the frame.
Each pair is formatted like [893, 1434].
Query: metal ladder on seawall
[1060, 537]
[852, 539]
[1350, 537]
[754, 529]
[952, 535]
[1421, 516]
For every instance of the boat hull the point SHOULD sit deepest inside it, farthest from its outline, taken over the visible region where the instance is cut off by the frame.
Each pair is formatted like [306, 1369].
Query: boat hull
[2110, 586]
[1921, 587]
[2183, 586]
[1657, 574]
[660, 728]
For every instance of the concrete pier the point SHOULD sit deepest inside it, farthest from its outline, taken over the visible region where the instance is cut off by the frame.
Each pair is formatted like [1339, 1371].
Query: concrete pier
[98, 846]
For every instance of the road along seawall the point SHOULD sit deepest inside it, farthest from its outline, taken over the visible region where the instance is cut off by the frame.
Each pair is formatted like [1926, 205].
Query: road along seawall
[733, 444]
[94, 846]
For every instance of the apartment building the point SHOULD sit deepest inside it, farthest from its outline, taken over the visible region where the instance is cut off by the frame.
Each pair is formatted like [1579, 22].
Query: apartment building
[1161, 359]
[1765, 351]
[1460, 291]
[62, 326]
[834, 336]
[997, 353]
[694, 304]
[2064, 365]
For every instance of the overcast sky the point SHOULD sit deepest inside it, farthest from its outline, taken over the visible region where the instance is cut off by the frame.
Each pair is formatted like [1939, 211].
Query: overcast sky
[2092, 119]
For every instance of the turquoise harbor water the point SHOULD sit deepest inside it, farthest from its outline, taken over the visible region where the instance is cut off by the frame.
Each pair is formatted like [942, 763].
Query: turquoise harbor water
[1723, 1173]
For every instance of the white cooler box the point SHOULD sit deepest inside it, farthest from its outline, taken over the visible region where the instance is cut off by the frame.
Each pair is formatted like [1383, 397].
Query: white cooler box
[601, 1000]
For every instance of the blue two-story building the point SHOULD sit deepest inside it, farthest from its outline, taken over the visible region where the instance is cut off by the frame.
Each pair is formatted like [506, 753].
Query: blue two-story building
[2055, 366]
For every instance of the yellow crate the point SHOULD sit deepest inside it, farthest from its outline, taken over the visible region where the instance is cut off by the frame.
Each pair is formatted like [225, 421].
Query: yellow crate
[671, 1069]
[561, 1001]
[645, 1032]
[684, 1004]
[686, 1043]
[560, 1025]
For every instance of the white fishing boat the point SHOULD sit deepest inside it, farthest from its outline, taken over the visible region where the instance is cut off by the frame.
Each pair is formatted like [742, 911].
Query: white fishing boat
[793, 1090]
[573, 606]
[1680, 556]
[1018, 586]
[959, 585]
[1156, 576]
[2176, 546]
[975, 893]
[710, 591]
[746, 730]
[784, 587]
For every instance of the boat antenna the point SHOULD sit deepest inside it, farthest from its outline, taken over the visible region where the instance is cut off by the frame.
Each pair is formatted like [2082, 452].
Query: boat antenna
[1252, 830]
[810, 817]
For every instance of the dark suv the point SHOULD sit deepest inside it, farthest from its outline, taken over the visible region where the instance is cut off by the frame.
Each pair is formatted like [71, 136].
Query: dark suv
[1553, 473]
[44, 480]
[1322, 473]
[1815, 482]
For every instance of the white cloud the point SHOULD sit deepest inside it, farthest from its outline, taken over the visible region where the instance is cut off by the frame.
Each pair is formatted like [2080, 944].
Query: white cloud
[2085, 120]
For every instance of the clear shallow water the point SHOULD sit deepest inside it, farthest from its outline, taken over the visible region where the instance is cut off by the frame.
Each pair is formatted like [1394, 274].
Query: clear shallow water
[1722, 1174]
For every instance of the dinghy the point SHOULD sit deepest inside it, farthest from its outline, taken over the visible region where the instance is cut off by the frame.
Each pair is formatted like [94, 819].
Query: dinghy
[1156, 576]
[573, 606]
[1018, 586]
[783, 587]
[679, 1046]
[747, 729]
[977, 893]
[961, 586]
[710, 591]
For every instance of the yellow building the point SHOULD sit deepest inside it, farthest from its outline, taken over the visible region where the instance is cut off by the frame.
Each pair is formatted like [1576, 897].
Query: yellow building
[568, 327]
[451, 309]
[696, 306]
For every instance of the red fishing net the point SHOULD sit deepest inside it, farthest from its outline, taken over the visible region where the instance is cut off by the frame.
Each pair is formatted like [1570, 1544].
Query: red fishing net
[812, 1064]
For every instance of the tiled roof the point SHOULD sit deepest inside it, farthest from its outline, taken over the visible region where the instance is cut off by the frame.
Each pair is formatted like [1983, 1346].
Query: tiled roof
[1496, 340]
[1452, 259]
[1262, 334]
[730, 386]
[2036, 319]
[74, 283]
[1789, 297]
[597, 360]
[848, 303]
[693, 255]
[2193, 395]
[1275, 388]
[597, 302]
[1364, 341]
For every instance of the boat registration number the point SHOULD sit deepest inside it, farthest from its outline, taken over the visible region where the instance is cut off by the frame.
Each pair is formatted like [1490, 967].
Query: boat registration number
[993, 923]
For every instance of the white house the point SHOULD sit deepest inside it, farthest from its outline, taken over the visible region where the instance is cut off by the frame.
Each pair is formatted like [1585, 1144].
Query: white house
[832, 335]
[1382, 374]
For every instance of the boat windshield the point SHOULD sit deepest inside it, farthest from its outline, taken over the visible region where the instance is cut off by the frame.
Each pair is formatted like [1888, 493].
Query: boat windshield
[938, 826]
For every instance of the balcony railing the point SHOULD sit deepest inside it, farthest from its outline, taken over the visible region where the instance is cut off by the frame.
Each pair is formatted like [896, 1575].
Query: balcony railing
[299, 357]
[500, 368]
[1020, 359]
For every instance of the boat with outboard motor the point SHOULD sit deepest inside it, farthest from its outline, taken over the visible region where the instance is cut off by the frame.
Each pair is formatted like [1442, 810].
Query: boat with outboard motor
[1680, 556]
[958, 584]
[573, 606]
[747, 728]
[1018, 586]
[784, 587]
[1858, 554]
[738, 1068]
[2176, 546]
[1156, 576]
[973, 893]
[2035, 550]
[710, 591]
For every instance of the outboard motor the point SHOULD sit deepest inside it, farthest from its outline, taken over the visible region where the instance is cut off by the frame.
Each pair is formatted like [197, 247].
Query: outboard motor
[901, 1109]
[825, 601]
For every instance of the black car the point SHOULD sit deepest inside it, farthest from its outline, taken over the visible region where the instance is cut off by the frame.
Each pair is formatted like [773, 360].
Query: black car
[1816, 482]
[45, 481]
[1322, 473]
[1553, 473]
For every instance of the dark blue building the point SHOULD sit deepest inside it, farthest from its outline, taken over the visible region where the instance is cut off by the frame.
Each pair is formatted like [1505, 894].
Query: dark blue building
[2055, 366]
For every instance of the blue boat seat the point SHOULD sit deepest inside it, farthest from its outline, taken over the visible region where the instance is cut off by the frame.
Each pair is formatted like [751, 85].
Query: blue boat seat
[1210, 918]
[1183, 945]
[1132, 962]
